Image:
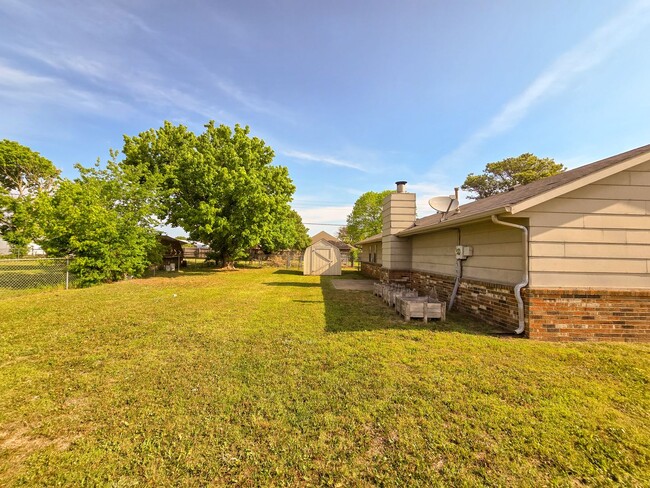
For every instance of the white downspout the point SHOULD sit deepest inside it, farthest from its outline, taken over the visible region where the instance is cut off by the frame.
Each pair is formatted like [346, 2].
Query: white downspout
[524, 282]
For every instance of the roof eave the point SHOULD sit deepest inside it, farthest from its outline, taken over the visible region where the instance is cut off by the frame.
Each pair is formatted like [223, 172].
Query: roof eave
[453, 223]
[579, 183]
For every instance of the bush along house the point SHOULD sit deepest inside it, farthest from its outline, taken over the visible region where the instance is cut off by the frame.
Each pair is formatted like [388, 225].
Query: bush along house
[565, 258]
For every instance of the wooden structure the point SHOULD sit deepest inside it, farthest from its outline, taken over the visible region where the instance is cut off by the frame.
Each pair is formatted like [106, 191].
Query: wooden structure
[424, 308]
[344, 249]
[173, 255]
[322, 259]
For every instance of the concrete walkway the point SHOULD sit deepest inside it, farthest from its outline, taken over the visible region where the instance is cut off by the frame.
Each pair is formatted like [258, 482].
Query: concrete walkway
[354, 285]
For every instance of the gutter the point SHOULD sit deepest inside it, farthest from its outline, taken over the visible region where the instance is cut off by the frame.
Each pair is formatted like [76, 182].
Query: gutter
[450, 223]
[524, 281]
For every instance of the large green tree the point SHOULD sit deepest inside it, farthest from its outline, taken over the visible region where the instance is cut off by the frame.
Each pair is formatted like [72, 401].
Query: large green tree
[365, 218]
[219, 186]
[103, 218]
[25, 175]
[288, 232]
[500, 176]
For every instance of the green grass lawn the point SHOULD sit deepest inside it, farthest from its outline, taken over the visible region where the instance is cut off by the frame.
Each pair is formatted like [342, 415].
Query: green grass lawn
[263, 377]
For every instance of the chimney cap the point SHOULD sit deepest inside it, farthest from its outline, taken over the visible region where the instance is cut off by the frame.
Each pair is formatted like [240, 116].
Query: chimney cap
[401, 182]
[400, 186]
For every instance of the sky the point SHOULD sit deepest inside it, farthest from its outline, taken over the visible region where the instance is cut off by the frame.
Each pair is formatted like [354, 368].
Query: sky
[352, 96]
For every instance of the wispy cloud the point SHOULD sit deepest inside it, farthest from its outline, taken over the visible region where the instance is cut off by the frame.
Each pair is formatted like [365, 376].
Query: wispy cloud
[251, 101]
[316, 158]
[18, 86]
[588, 54]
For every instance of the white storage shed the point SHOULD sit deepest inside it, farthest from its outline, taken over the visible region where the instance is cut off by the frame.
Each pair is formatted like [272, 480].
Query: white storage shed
[322, 259]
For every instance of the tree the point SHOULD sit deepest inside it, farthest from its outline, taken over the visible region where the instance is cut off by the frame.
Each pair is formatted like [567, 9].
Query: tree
[365, 219]
[104, 219]
[288, 232]
[24, 176]
[219, 186]
[502, 175]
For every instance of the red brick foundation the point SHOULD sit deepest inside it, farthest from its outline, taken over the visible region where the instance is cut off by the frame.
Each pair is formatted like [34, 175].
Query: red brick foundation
[588, 315]
[551, 314]
[490, 302]
[371, 270]
[378, 272]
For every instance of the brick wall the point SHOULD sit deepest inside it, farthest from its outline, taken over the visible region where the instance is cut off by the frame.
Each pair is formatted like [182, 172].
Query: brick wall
[371, 270]
[552, 314]
[378, 272]
[588, 315]
[492, 303]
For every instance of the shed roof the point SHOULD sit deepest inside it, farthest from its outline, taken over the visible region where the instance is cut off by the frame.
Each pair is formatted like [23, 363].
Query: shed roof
[526, 196]
[342, 246]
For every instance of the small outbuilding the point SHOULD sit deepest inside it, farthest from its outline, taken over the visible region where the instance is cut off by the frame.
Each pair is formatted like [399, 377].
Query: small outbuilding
[173, 255]
[344, 248]
[322, 259]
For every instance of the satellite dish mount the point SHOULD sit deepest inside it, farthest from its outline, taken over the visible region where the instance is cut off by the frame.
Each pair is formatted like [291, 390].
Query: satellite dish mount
[445, 204]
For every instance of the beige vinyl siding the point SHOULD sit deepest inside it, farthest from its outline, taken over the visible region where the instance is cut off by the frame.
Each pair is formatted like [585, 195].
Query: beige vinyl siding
[597, 236]
[498, 253]
[435, 252]
[370, 249]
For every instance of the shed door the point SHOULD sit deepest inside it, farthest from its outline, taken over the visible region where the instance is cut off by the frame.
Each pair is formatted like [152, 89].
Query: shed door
[321, 260]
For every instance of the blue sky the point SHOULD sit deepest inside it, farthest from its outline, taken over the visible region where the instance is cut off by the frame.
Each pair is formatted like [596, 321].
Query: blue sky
[352, 96]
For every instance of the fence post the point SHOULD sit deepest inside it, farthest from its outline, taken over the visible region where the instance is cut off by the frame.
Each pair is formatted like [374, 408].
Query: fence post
[67, 271]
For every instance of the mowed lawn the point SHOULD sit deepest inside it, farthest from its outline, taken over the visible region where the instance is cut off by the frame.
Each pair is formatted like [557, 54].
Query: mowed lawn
[267, 377]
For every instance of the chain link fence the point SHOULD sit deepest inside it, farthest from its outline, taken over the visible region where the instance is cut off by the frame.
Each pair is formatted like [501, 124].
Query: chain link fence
[34, 273]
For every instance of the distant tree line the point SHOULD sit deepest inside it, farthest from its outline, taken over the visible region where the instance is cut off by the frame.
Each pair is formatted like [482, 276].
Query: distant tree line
[219, 186]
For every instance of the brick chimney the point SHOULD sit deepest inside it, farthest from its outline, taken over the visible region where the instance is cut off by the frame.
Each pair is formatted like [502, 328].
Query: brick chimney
[398, 213]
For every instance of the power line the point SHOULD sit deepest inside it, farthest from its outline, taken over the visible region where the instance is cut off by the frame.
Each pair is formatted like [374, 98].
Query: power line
[318, 223]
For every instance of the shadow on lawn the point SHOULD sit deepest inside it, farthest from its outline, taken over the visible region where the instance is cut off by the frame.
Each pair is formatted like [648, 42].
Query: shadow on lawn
[296, 272]
[292, 283]
[355, 311]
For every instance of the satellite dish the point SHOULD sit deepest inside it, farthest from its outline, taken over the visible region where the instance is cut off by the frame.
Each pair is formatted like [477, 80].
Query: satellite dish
[443, 204]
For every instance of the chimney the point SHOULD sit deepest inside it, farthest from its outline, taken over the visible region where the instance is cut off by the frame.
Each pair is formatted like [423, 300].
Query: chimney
[398, 214]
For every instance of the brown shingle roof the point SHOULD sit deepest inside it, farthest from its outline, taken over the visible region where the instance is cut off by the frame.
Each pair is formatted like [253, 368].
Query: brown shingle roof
[322, 235]
[499, 202]
[370, 240]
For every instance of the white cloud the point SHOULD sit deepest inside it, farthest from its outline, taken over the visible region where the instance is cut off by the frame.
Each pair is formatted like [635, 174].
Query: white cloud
[19, 87]
[304, 156]
[324, 215]
[252, 102]
[592, 51]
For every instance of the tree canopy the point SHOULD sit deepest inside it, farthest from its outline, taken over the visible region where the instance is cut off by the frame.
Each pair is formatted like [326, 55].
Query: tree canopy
[219, 186]
[500, 176]
[104, 218]
[365, 218]
[24, 175]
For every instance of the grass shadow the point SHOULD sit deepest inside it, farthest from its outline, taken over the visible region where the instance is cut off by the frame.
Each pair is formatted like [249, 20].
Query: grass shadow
[295, 272]
[293, 283]
[356, 311]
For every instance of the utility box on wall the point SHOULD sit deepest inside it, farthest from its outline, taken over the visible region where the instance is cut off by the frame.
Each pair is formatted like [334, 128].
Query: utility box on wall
[464, 252]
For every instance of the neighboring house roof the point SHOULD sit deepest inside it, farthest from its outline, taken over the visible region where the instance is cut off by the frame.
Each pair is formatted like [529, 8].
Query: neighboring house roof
[526, 196]
[370, 240]
[342, 246]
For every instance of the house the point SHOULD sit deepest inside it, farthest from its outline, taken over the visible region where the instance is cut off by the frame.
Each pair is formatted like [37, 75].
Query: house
[32, 249]
[322, 258]
[563, 258]
[344, 249]
[4, 248]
